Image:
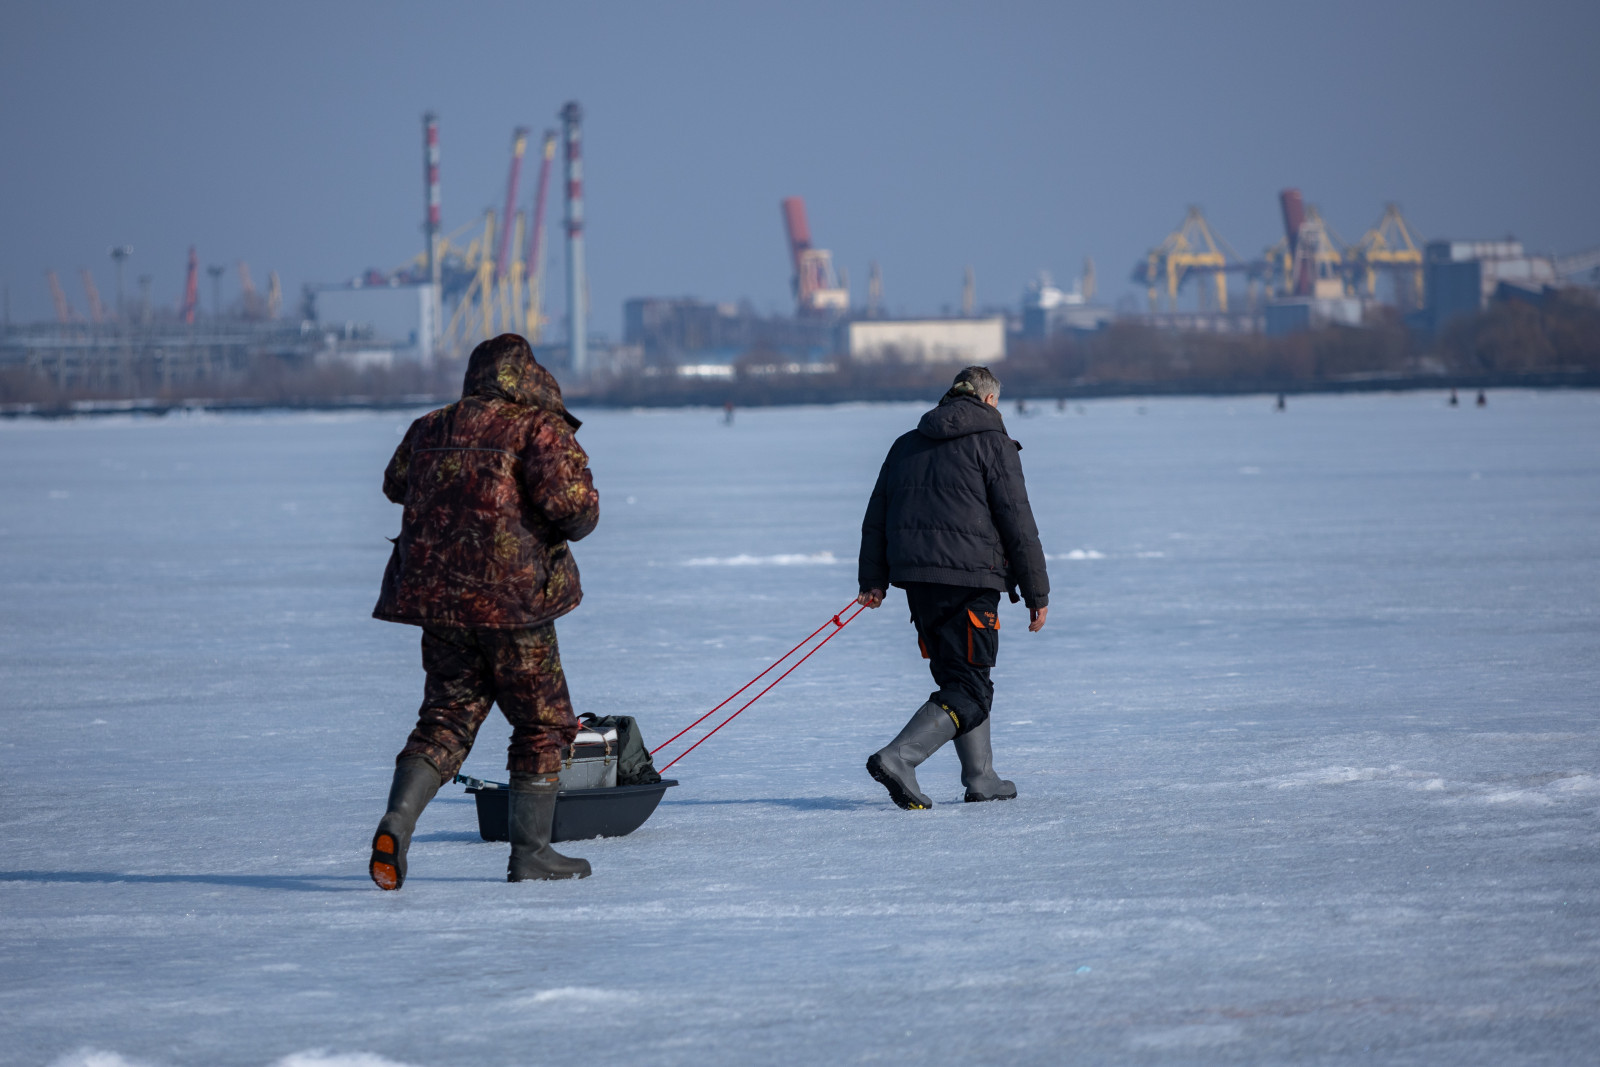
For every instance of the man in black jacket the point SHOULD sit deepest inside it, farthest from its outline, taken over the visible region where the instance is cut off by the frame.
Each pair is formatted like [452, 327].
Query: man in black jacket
[949, 522]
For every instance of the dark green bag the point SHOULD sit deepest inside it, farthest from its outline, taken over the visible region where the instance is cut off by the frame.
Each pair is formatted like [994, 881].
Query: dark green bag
[634, 766]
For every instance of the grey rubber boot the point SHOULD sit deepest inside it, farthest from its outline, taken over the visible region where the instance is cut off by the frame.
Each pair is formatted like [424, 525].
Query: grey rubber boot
[894, 766]
[977, 767]
[415, 783]
[531, 817]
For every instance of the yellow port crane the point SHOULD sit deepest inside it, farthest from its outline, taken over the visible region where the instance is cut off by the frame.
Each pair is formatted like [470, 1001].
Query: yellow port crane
[97, 310]
[1193, 248]
[493, 286]
[1390, 245]
[473, 319]
[249, 299]
[58, 297]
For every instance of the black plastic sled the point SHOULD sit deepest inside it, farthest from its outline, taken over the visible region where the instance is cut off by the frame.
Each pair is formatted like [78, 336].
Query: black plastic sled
[580, 813]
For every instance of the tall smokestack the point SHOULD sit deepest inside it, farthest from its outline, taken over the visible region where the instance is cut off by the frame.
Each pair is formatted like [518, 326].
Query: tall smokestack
[577, 332]
[430, 224]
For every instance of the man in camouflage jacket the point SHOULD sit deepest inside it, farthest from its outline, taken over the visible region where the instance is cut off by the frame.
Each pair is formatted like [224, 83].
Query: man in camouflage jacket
[494, 486]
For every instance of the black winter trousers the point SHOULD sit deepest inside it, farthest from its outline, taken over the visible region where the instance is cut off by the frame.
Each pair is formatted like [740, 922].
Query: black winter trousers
[958, 628]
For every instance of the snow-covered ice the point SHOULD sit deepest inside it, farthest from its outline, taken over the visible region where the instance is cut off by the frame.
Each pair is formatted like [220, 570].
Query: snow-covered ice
[1308, 754]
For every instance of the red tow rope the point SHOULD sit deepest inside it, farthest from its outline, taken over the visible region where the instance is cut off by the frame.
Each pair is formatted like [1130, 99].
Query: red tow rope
[837, 625]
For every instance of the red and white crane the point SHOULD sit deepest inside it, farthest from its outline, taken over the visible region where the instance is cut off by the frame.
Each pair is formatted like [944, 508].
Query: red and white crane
[817, 291]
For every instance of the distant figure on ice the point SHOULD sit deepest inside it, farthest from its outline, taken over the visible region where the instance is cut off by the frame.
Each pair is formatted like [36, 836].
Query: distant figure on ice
[1483, 401]
[1283, 402]
[1454, 400]
[727, 413]
[494, 486]
[949, 522]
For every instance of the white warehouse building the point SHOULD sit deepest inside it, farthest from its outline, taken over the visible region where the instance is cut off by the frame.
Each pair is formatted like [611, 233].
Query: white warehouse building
[401, 315]
[963, 341]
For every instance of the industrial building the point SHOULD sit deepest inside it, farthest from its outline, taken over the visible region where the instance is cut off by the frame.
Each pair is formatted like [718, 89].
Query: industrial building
[689, 332]
[401, 314]
[1294, 314]
[691, 337]
[954, 341]
[128, 359]
[1048, 310]
[1461, 277]
[139, 348]
[700, 338]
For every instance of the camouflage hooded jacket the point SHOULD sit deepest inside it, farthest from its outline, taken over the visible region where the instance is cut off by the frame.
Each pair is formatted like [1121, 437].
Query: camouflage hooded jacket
[494, 486]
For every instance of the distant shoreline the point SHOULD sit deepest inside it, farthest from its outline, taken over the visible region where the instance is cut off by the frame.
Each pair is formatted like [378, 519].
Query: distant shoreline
[752, 394]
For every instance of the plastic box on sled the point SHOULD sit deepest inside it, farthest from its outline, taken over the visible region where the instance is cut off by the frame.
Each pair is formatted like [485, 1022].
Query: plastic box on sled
[591, 761]
[612, 811]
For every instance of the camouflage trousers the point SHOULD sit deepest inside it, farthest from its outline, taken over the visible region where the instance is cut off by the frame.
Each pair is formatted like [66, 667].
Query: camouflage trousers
[468, 670]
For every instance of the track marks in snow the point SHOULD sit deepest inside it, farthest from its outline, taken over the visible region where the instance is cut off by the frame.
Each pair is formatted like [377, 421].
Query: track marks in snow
[319, 1058]
[1559, 787]
[572, 997]
[782, 559]
[828, 559]
[1200, 1035]
[1342, 775]
[89, 1057]
[1543, 789]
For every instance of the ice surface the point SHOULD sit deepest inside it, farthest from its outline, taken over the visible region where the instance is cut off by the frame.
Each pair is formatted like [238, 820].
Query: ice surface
[1308, 754]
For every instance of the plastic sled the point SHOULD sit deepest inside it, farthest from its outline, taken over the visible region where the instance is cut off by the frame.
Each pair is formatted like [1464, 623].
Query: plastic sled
[580, 813]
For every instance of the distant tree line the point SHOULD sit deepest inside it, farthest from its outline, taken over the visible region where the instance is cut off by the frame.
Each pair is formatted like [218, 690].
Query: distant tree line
[1559, 334]
[267, 379]
[1556, 341]
[1551, 340]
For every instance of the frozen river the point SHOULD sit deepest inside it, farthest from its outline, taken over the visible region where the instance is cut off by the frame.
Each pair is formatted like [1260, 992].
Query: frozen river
[1308, 754]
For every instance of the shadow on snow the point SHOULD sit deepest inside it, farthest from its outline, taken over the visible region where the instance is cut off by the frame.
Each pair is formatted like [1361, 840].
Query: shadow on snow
[303, 883]
[797, 803]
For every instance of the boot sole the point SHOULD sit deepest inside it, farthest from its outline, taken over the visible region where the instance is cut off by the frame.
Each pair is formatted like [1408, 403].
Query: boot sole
[975, 798]
[384, 867]
[549, 877]
[897, 792]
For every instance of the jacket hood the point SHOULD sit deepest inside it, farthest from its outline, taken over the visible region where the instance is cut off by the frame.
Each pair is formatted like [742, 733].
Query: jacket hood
[503, 368]
[958, 416]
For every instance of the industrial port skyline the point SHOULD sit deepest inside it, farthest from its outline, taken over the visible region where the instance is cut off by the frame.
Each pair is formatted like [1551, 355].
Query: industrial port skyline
[1012, 160]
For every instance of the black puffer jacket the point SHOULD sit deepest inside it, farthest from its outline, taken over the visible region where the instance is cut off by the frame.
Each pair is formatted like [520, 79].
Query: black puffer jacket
[950, 507]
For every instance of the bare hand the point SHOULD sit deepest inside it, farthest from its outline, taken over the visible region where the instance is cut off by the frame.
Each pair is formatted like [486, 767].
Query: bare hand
[871, 598]
[1036, 617]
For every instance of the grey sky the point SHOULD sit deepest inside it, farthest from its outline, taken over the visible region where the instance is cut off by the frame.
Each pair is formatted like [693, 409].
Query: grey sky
[928, 136]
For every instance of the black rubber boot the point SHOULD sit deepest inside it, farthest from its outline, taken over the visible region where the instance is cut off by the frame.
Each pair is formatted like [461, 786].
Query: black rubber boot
[977, 767]
[415, 783]
[894, 765]
[530, 819]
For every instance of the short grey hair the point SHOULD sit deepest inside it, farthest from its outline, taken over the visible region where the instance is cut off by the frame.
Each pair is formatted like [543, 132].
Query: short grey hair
[976, 381]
